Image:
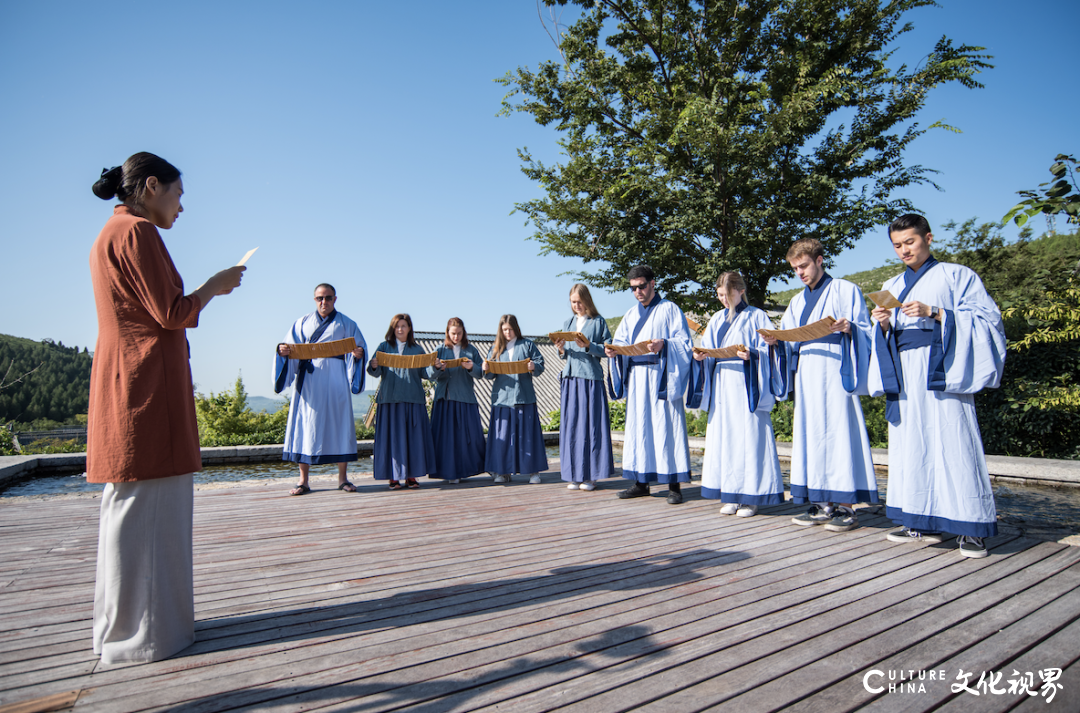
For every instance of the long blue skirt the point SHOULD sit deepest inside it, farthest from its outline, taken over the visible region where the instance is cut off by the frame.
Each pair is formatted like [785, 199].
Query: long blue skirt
[584, 431]
[515, 442]
[459, 439]
[403, 445]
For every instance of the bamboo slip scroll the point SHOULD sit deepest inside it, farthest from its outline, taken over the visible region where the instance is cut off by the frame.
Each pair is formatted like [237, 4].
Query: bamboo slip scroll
[403, 361]
[885, 299]
[322, 350]
[722, 353]
[566, 336]
[639, 349]
[508, 367]
[452, 363]
[816, 330]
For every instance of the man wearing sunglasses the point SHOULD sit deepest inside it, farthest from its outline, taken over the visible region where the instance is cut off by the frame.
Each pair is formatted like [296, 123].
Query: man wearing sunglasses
[655, 448]
[321, 427]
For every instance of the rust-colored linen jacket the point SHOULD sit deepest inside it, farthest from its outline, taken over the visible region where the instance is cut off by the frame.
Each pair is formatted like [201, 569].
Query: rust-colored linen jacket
[142, 409]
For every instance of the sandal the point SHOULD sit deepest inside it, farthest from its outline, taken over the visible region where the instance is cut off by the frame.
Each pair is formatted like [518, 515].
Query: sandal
[412, 484]
[301, 489]
[347, 487]
[394, 485]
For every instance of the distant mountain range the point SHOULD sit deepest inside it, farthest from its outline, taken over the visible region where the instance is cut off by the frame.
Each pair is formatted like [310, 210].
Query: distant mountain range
[360, 401]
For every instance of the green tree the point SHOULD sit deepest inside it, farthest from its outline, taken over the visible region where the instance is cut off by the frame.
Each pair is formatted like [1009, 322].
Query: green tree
[1062, 195]
[712, 133]
[225, 420]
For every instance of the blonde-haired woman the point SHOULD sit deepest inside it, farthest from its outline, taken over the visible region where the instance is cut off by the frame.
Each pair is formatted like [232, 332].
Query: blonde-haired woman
[584, 424]
[515, 442]
[741, 466]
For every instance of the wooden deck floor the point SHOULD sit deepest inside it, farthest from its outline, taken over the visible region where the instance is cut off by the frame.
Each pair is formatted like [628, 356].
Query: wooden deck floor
[528, 598]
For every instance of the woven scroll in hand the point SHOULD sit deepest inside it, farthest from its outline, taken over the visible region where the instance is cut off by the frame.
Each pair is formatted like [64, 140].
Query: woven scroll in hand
[322, 350]
[566, 336]
[451, 363]
[722, 353]
[639, 349]
[508, 367]
[402, 361]
[885, 299]
[817, 330]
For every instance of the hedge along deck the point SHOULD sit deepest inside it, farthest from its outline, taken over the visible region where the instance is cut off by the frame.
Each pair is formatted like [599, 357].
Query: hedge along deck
[479, 597]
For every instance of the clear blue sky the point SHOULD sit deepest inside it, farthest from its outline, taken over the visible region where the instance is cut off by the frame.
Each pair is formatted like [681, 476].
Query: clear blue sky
[357, 143]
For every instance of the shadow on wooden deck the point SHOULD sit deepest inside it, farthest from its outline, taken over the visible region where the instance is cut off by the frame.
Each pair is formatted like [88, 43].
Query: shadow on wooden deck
[482, 597]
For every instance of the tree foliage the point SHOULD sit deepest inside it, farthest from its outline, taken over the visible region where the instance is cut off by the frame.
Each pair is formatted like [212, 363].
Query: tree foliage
[226, 420]
[42, 380]
[707, 135]
[1062, 195]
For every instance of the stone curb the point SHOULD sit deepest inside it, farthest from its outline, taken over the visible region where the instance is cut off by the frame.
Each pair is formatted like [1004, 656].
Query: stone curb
[1004, 469]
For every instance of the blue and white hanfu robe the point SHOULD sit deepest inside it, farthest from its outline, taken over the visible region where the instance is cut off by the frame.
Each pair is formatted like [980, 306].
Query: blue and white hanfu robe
[938, 481]
[655, 447]
[741, 463]
[321, 427]
[830, 450]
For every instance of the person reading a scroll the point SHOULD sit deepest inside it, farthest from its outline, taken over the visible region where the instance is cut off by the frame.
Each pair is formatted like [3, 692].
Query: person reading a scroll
[655, 446]
[404, 449]
[142, 437]
[455, 414]
[515, 442]
[585, 454]
[320, 428]
[831, 464]
[741, 465]
[930, 357]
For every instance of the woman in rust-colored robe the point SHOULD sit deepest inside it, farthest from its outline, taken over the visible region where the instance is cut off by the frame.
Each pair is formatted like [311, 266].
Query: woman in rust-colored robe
[142, 439]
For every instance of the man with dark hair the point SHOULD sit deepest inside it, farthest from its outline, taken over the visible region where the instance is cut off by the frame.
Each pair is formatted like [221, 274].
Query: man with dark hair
[831, 464]
[321, 427]
[931, 355]
[655, 447]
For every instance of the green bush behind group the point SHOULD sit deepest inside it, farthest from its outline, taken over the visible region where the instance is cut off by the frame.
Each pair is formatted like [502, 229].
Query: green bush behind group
[1036, 412]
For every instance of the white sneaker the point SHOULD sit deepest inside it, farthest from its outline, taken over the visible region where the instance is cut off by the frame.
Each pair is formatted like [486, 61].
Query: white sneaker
[502, 478]
[572, 486]
[588, 485]
[455, 480]
[729, 509]
[535, 479]
[746, 511]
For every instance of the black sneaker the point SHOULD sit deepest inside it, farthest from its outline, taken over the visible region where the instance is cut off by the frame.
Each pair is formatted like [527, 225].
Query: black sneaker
[843, 519]
[972, 546]
[674, 497]
[814, 516]
[637, 490]
[909, 535]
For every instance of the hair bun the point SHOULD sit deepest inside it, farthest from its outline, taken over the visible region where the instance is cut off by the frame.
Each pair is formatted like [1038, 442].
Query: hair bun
[106, 186]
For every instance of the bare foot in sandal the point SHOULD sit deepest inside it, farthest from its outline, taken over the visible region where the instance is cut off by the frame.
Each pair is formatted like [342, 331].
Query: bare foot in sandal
[301, 489]
[347, 487]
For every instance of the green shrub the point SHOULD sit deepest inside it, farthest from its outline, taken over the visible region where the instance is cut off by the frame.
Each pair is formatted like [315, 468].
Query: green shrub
[53, 445]
[696, 423]
[225, 420]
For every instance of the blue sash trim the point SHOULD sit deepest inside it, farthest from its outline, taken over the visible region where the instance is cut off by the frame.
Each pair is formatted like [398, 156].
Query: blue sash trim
[305, 365]
[944, 341]
[320, 459]
[800, 495]
[701, 379]
[930, 523]
[619, 366]
[778, 370]
[281, 372]
[887, 346]
[811, 296]
[742, 499]
[683, 477]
